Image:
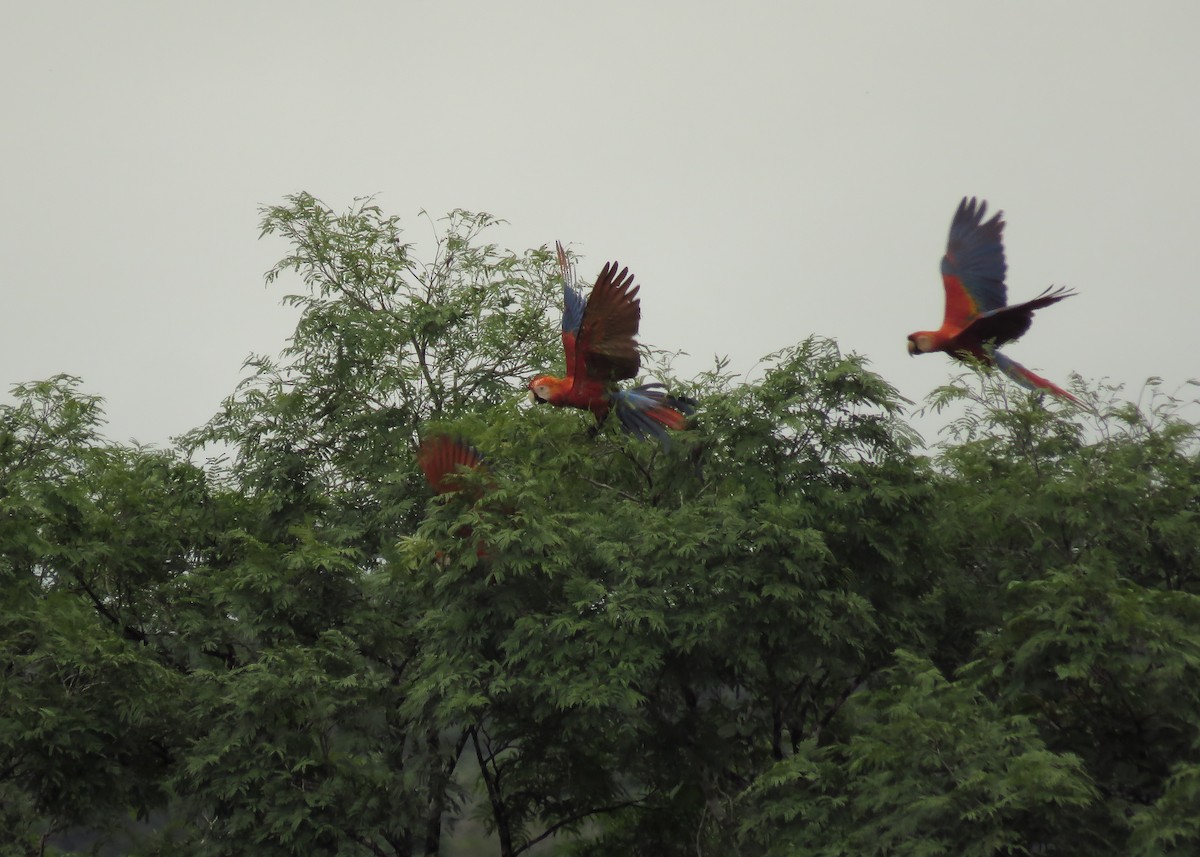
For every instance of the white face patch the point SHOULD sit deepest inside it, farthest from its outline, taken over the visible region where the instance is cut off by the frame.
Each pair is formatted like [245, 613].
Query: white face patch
[921, 344]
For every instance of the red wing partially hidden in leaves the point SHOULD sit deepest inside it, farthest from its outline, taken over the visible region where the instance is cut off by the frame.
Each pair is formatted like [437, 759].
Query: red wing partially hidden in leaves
[600, 345]
[978, 319]
[441, 458]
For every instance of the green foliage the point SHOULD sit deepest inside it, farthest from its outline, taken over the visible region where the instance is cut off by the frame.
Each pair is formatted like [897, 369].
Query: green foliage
[927, 767]
[384, 343]
[791, 632]
[86, 708]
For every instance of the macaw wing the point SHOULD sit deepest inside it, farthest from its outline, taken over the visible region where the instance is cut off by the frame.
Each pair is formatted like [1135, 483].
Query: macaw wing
[1009, 323]
[440, 457]
[606, 347]
[573, 304]
[973, 268]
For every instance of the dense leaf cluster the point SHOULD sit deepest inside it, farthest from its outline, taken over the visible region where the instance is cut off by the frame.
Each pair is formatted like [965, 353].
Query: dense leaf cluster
[791, 631]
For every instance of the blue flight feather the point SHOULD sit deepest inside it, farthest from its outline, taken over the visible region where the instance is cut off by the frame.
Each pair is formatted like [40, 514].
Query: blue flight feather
[633, 407]
[975, 255]
[573, 304]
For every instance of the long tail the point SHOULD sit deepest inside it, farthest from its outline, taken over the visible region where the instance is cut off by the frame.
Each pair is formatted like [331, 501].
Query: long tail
[1027, 379]
[649, 411]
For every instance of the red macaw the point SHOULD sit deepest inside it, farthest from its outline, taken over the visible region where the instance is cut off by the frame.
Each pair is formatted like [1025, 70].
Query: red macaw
[599, 340]
[977, 320]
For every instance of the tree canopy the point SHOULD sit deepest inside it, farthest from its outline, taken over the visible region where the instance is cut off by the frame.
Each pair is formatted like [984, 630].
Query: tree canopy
[793, 630]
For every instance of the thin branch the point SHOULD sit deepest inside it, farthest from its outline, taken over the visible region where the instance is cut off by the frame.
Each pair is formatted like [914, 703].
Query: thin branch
[423, 363]
[129, 630]
[579, 816]
[836, 707]
[591, 481]
[370, 846]
[499, 813]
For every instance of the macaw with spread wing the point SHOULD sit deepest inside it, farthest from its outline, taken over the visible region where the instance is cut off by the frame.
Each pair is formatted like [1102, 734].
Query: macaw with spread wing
[599, 340]
[978, 320]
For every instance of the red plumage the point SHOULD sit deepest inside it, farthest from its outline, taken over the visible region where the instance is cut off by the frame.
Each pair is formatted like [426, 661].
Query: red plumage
[441, 458]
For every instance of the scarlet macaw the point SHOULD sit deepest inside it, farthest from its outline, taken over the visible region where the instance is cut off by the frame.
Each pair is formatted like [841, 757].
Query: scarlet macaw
[977, 320]
[601, 349]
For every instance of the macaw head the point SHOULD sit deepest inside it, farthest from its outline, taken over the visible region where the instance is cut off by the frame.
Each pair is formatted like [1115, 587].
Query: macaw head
[542, 388]
[920, 343]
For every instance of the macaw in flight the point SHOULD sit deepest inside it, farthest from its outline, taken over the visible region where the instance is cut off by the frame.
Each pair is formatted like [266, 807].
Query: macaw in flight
[978, 320]
[599, 340]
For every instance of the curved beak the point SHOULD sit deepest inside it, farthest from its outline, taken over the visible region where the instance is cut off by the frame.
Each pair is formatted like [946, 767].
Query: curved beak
[912, 348]
[534, 398]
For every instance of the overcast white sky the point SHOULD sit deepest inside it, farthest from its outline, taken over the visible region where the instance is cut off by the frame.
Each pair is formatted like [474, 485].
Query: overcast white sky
[767, 170]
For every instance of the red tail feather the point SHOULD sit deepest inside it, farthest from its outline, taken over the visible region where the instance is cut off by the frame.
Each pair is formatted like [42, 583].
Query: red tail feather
[1030, 380]
[668, 417]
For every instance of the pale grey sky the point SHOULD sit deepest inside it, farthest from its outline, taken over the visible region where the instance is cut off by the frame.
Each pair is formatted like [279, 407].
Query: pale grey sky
[767, 170]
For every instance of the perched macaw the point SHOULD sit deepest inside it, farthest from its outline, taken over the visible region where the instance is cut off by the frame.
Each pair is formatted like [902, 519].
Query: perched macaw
[977, 320]
[599, 340]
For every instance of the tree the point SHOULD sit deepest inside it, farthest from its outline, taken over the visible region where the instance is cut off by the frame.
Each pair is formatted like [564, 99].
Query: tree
[1059, 715]
[792, 631]
[91, 533]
